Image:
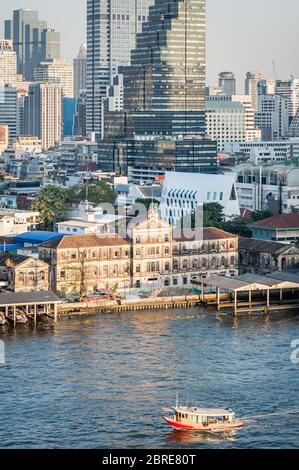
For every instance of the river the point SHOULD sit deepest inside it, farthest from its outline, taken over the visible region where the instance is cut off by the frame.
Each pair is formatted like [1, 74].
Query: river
[104, 382]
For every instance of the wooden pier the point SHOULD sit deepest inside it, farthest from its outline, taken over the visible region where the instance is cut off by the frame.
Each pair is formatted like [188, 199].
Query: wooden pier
[28, 306]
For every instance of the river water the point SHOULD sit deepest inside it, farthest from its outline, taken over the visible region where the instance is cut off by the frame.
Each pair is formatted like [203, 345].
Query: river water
[104, 382]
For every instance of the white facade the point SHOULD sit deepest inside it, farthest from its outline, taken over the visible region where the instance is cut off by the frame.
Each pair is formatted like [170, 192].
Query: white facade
[272, 187]
[282, 148]
[226, 122]
[8, 63]
[185, 192]
[57, 71]
[17, 222]
[272, 117]
[289, 89]
[251, 87]
[246, 101]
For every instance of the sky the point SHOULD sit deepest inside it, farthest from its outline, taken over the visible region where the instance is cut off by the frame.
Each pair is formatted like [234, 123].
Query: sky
[242, 35]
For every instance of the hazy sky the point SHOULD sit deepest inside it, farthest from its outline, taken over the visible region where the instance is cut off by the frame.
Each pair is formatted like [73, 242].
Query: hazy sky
[242, 35]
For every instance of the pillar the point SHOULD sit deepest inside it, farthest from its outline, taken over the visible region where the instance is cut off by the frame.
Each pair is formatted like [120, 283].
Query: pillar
[218, 298]
[35, 314]
[55, 313]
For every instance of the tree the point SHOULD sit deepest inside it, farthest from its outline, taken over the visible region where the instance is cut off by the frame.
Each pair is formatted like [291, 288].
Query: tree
[213, 215]
[97, 192]
[51, 204]
[238, 225]
[260, 215]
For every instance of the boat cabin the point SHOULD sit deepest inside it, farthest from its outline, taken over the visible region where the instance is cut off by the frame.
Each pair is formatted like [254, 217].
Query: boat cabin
[204, 416]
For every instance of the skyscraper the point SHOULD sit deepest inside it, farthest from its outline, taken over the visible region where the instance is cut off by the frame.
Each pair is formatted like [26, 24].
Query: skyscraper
[80, 71]
[50, 44]
[289, 89]
[25, 31]
[251, 87]
[8, 109]
[8, 62]
[227, 81]
[43, 113]
[164, 93]
[111, 34]
[57, 71]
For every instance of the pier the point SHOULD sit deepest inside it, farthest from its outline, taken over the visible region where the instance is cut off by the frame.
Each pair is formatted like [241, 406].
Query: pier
[251, 293]
[28, 306]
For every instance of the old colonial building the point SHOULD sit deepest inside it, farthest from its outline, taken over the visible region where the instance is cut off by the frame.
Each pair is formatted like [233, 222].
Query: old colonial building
[23, 274]
[265, 257]
[162, 257]
[81, 264]
[152, 241]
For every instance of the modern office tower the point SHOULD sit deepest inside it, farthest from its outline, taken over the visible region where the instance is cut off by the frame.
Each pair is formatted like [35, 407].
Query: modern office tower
[164, 97]
[115, 94]
[57, 71]
[50, 44]
[112, 26]
[289, 89]
[21, 97]
[8, 62]
[226, 122]
[251, 87]
[43, 113]
[25, 31]
[272, 117]
[8, 109]
[80, 71]
[266, 87]
[227, 81]
[251, 132]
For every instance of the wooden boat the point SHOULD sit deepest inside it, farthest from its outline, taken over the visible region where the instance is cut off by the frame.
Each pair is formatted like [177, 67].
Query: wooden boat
[203, 419]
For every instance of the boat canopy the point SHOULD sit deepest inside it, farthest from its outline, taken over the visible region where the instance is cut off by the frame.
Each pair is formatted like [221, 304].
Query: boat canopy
[210, 412]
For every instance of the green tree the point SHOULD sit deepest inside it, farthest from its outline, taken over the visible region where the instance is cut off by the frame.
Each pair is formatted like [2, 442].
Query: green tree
[51, 204]
[97, 192]
[238, 225]
[213, 215]
[260, 215]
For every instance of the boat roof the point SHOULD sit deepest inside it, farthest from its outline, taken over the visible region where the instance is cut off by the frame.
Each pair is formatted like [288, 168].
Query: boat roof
[205, 411]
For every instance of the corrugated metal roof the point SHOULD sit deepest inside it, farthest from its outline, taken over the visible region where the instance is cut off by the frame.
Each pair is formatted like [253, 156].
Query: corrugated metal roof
[30, 298]
[37, 236]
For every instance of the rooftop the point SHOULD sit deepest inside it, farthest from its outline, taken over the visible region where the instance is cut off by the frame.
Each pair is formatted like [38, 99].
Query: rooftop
[86, 241]
[208, 233]
[261, 246]
[281, 221]
[30, 298]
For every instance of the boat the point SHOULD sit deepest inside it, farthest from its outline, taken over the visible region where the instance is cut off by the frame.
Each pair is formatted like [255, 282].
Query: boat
[203, 419]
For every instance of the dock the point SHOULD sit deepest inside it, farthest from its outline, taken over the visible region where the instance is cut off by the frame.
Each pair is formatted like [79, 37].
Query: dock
[24, 307]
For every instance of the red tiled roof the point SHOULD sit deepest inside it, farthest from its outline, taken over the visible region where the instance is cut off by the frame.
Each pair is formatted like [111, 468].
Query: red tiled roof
[86, 241]
[282, 221]
[247, 213]
[209, 233]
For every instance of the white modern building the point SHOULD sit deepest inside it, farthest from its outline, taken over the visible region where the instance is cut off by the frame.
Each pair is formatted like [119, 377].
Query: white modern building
[110, 39]
[287, 149]
[43, 113]
[57, 71]
[251, 87]
[8, 63]
[270, 187]
[13, 222]
[226, 122]
[289, 89]
[272, 117]
[8, 109]
[246, 101]
[80, 71]
[183, 193]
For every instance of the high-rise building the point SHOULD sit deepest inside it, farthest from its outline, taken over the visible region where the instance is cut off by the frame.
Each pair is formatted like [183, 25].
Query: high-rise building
[226, 122]
[289, 89]
[43, 113]
[25, 30]
[251, 87]
[50, 44]
[164, 97]
[8, 109]
[112, 26]
[80, 71]
[57, 71]
[272, 117]
[8, 62]
[227, 81]
[266, 87]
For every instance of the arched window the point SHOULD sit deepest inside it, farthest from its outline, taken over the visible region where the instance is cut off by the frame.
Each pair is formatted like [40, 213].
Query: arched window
[21, 278]
[223, 261]
[115, 270]
[42, 276]
[213, 261]
[194, 263]
[167, 266]
[232, 260]
[175, 265]
[126, 268]
[105, 270]
[166, 238]
[31, 276]
[185, 264]
[204, 262]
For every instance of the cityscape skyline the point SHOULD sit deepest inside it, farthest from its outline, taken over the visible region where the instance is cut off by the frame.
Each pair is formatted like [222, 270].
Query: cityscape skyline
[236, 56]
